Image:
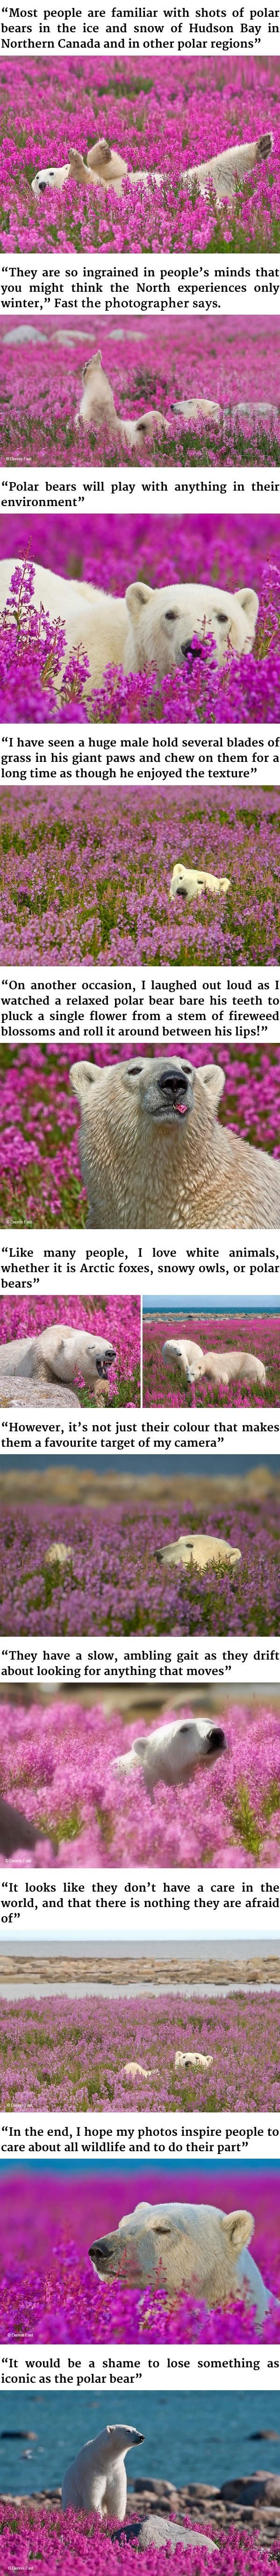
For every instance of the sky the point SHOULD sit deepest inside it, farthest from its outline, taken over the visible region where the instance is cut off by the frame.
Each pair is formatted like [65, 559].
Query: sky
[205, 1306]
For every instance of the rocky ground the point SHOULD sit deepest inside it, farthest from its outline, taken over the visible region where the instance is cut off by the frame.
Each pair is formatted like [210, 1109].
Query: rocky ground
[253, 2502]
[21, 1967]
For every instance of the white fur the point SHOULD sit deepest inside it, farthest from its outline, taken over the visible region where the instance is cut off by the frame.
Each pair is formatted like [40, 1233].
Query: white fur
[222, 1366]
[58, 1554]
[147, 629]
[189, 1356]
[172, 1752]
[132, 2067]
[191, 2246]
[96, 2479]
[58, 1353]
[195, 881]
[104, 167]
[191, 2057]
[195, 1552]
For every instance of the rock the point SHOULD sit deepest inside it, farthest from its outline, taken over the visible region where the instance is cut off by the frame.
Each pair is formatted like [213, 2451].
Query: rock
[31, 1397]
[157, 2532]
[261, 2488]
[21, 331]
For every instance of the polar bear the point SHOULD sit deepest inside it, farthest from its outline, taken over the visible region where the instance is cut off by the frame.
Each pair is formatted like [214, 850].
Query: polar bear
[191, 2057]
[58, 1353]
[187, 2246]
[173, 1752]
[160, 630]
[194, 1552]
[97, 407]
[186, 1355]
[225, 1366]
[96, 2479]
[191, 882]
[153, 1153]
[105, 168]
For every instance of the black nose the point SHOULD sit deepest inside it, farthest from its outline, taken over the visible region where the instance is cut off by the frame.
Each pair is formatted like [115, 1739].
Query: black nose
[217, 1740]
[194, 649]
[171, 1080]
[101, 2247]
[264, 147]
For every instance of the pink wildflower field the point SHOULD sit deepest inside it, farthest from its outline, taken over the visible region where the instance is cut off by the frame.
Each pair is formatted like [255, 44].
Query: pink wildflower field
[60, 2211]
[57, 1764]
[68, 2052]
[61, 2540]
[161, 114]
[162, 1383]
[88, 875]
[35, 682]
[150, 361]
[111, 1584]
[39, 1137]
[116, 1318]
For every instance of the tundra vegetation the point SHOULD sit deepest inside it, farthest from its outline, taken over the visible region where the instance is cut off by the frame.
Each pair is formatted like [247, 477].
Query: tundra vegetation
[164, 115]
[163, 1383]
[61, 2299]
[89, 873]
[95, 2552]
[155, 363]
[40, 1180]
[113, 1584]
[58, 1762]
[230, 554]
[69, 2052]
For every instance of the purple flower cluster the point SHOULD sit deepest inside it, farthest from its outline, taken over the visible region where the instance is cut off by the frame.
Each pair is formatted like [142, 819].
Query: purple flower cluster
[58, 1761]
[69, 2051]
[150, 362]
[116, 1318]
[36, 683]
[88, 875]
[161, 1380]
[61, 2540]
[58, 2297]
[162, 114]
[39, 1137]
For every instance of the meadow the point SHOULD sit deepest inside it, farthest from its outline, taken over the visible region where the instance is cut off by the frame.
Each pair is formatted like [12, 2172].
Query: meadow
[36, 682]
[110, 1583]
[161, 114]
[68, 2053]
[116, 1318]
[57, 1764]
[161, 1379]
[88, 875]
[150, 362]
[61, 2210]
[58, 2540]
[39, 1136]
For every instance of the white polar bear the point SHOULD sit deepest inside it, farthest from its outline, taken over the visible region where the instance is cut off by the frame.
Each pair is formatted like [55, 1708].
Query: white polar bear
[97, 408]
[160, 630]
[105, 168]
[226, 1365]
[96, 2480]
[132, 2067]
[188, 1355]
[191, 2247]
[195, 1552]
[58, 1353]
[191, 2057]
[173, 1752]
[191, 882]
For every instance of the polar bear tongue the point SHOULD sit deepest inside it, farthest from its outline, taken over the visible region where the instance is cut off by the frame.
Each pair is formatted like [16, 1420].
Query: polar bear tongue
[181, 1108]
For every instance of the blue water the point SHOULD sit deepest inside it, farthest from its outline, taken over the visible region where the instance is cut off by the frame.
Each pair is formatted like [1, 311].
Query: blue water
[186, 2436]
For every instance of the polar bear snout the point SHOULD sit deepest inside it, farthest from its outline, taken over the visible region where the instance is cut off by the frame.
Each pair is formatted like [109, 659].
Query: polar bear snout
[173, 1092]
[264, 147]
[102, 2255]
[102, 1365]
[216, 1743]
[193, 649]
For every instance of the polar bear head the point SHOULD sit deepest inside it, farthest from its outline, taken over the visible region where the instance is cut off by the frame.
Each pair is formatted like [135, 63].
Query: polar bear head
[166, 628]
[66, 1351]
[180, 2244]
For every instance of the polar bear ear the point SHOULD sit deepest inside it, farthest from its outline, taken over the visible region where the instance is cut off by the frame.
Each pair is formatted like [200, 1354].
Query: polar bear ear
[214, 1080]
[80, 1077]
[136, 598]
[238, 2226]
[250, 603]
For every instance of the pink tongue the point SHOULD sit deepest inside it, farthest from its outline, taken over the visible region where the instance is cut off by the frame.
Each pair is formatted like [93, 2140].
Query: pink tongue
[181, 1108]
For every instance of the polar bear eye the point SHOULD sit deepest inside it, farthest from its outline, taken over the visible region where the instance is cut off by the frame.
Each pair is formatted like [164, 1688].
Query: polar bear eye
[222, 620]
[170, 616]
[134, 1068]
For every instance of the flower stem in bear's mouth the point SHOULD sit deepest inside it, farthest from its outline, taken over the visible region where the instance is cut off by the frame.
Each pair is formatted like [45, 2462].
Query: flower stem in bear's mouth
[181, 1108]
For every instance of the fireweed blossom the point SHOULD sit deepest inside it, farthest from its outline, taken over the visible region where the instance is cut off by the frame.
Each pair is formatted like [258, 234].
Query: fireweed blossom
[36, 683]
[87, 874]
[58, 1763]
[40, 1181]
[59, 2298]
[116, 1318]
[163, 115]
[152, 362]
[162, 1383]
[71, 2050]
[63, 2539]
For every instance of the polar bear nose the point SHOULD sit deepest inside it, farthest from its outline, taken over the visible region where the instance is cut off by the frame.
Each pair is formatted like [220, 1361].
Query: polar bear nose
[194, 649]
[179, 1084]
[217, 1740]
[101, 2248]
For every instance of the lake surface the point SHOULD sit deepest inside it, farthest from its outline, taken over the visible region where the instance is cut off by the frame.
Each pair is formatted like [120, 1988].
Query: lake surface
[187, 2435]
